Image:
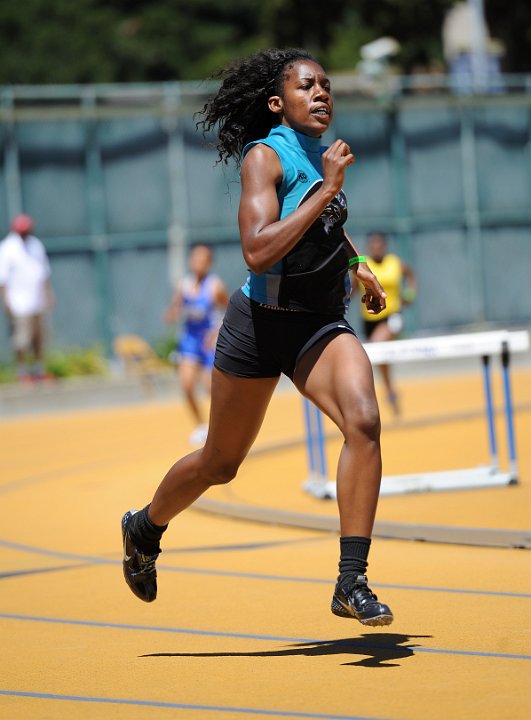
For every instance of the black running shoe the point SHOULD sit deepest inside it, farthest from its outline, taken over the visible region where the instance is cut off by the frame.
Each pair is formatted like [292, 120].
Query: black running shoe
[139, 569]
[359, 602]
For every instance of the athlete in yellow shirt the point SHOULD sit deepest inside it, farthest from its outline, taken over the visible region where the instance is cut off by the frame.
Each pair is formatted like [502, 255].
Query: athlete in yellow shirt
[400, 284]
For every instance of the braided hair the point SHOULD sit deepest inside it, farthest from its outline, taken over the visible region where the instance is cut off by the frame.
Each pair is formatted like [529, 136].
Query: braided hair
[239, 109]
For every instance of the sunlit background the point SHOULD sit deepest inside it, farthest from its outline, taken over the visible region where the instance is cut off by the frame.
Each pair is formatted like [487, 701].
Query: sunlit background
[99, 145]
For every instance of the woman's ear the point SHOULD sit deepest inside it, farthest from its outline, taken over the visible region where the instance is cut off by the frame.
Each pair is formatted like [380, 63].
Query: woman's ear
[275, 104]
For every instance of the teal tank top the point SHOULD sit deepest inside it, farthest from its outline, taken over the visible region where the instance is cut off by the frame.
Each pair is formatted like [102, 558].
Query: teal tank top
[313, 276]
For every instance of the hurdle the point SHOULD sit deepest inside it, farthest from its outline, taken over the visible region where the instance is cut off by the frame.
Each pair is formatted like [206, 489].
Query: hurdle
[482, 345]
[317, 483]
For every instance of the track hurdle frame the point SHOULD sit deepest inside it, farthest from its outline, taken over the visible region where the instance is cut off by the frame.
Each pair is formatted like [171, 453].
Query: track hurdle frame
[317, 483]
[482, 345]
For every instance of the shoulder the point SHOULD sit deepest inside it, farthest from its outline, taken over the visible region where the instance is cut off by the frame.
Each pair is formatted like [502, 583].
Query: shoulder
[261, 160]
[275, 141]
[9, 247]
[394, 259]
[261, 152]
[8, 241]
[36, 245]
[392, 264]
[185, 284]
[211, 284]
[216, 283]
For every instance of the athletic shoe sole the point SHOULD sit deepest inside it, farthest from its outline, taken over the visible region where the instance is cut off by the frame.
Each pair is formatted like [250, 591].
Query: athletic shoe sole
[347, 612]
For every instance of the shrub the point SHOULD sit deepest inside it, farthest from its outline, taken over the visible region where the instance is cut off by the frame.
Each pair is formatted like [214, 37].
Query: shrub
[76, 362]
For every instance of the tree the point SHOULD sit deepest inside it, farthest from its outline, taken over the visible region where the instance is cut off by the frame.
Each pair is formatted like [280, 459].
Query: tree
[511, 23]
[85, 41]
[58, 41]
[416, 24]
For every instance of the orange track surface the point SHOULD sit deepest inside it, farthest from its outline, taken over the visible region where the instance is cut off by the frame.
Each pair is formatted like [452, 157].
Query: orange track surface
[242, 626]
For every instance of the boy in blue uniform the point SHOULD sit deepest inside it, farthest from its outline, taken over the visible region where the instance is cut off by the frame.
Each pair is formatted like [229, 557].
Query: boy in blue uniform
[199, 301]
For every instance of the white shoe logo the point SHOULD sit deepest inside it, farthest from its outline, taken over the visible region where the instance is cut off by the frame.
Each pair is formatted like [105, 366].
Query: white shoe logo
[126, 556]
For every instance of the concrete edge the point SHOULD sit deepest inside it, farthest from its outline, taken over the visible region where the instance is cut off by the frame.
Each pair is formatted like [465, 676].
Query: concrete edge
[478, 537]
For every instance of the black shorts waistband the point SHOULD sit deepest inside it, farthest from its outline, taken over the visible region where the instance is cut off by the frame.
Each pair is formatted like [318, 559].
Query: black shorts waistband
[256, 341]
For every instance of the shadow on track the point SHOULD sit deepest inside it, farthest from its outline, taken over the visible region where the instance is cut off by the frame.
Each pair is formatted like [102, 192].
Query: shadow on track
[379, 650]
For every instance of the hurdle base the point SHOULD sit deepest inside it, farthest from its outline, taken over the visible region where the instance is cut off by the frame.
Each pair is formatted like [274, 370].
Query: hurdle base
[320, 488]
[466, 479]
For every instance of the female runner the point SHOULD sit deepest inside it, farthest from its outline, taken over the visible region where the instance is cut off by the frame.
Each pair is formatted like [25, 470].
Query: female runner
[288, 317]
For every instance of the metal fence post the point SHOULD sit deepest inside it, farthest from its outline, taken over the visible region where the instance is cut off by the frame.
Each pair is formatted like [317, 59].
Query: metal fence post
[97, 221]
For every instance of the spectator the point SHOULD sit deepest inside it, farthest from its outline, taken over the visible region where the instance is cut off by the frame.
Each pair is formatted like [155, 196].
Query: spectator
[27, 294]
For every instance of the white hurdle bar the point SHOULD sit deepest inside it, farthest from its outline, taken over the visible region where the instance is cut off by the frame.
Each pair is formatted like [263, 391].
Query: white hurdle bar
[483, 345]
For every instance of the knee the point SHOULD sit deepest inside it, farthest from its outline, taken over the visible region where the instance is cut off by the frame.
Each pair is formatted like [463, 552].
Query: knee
[220, 473]
[363, 420]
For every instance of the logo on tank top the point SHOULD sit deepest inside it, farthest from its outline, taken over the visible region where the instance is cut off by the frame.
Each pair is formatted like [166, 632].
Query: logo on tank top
[335, 212]
[302, 177]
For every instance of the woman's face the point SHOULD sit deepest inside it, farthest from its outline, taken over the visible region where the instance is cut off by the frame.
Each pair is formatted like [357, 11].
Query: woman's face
[306, 103]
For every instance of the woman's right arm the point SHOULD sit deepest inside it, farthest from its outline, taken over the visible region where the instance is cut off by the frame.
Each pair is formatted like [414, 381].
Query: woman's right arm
[266, 239]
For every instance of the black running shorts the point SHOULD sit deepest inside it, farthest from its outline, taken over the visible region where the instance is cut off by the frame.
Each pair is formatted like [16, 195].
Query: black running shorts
[257, 341]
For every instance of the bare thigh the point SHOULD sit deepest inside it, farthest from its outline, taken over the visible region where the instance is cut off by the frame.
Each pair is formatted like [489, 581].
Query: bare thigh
[237, 410]
[337, 376]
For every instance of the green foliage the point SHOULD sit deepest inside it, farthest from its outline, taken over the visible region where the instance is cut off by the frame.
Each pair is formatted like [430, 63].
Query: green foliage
[64, 364]
[416, 24]
[511, 23]
[72, 363]
[347, 39]
[55, 41]
[165, 347]
[7, 373]
[89, 41]
[60, 41]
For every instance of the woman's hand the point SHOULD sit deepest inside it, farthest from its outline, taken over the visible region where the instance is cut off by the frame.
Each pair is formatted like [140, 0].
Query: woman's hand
[374, 296]
[266, 238]
[335, 160]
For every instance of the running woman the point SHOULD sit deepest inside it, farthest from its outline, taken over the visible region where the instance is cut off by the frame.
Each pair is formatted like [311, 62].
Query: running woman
[288, 317]
[199, 301]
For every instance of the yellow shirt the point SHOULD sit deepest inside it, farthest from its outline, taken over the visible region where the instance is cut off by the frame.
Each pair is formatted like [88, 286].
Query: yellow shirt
[389, 275]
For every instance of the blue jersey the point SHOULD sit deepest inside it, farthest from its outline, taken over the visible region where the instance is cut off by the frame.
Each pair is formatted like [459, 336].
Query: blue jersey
[313, 276]
[200, 315]
[199, 311]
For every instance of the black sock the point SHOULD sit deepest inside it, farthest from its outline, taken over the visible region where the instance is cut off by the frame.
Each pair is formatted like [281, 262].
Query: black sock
[145, 534]
[353, 559]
